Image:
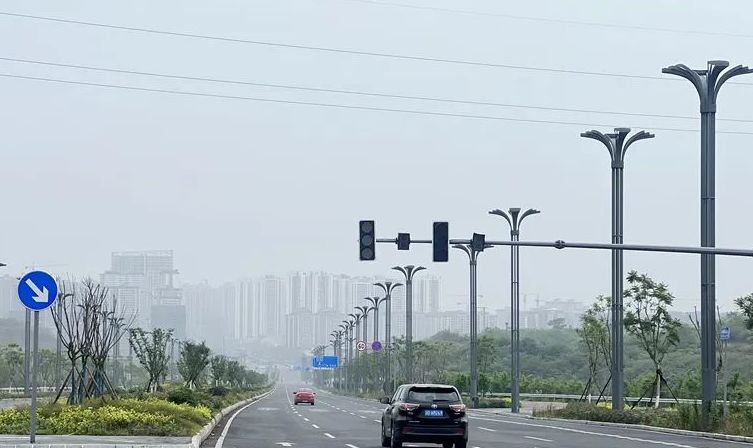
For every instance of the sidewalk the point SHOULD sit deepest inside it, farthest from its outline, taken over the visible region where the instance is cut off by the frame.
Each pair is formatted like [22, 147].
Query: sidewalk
[14, 441]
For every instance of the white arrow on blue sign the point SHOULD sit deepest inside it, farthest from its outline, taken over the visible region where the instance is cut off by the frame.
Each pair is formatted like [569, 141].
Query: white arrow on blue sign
[37, 290]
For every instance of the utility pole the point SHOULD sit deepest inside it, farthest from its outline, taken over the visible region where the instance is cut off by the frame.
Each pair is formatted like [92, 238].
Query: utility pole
[617, 147]
[514, 219]
[707, 83]
[409, 271]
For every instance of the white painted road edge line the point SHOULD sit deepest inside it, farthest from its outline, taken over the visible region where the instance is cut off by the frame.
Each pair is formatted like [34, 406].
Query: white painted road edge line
[221, 440]
[329, 435]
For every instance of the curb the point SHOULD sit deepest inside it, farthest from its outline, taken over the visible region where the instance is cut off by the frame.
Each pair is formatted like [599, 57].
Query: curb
[681, 432]
[202, 435]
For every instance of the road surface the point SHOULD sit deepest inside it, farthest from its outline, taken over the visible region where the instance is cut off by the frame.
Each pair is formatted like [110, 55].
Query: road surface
[346, 422]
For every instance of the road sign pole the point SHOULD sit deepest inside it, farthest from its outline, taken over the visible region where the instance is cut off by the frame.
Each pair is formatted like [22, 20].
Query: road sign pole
[27, 349]
[35, 368]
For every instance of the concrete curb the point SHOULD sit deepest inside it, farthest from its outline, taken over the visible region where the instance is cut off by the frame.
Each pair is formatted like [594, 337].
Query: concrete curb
[202, 435]
[681, 432]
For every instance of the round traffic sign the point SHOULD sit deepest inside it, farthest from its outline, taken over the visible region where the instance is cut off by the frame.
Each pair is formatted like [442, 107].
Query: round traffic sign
[361, 346]
[376, 346]
[37, 290]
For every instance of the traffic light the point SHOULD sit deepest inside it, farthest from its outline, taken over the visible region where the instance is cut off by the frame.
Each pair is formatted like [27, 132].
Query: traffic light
[478, 242]
[366, 241]
[441, 241]
[403, 241]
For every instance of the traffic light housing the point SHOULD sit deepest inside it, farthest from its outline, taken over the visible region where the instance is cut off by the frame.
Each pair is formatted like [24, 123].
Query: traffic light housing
[478, 242]
[403, 241]
[366, 241]
[441, 241]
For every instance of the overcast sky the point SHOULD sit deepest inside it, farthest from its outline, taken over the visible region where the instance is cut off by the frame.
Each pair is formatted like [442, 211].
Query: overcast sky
[242, 188]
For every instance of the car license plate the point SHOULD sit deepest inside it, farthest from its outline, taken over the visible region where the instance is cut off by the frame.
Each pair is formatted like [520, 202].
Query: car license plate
[433, 413]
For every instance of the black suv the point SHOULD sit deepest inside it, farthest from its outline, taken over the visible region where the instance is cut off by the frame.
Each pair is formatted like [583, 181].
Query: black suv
[425, 413]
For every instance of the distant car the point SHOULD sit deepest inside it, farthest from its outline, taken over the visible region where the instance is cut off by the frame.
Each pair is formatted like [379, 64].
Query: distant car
[425, 413]
[304, 396]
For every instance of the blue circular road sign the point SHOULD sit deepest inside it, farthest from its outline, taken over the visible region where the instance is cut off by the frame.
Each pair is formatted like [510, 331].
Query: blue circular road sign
[37, 290]
[376, 346]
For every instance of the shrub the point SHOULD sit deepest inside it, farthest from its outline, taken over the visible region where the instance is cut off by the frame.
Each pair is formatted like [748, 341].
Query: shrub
[182, 395]
[218, 391]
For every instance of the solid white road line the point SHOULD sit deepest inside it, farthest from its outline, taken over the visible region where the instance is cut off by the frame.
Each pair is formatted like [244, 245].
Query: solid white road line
[329, 435]
[487, 429]
[221, 439]
[315, 426]
[592, 433]
[537, 438]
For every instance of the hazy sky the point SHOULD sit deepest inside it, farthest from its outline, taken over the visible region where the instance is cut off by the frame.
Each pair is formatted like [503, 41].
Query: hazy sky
[241, 188]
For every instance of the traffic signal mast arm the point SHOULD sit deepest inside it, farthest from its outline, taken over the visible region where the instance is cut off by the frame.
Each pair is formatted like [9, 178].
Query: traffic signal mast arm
[559, 244]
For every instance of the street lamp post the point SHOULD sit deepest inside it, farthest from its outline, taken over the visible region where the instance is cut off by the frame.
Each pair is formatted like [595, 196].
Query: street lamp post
[707, 83]
[343, 353]
[375, 302]
[365, 318]
[473, 261]
[409, 271]
[617, 147]
[514, 218]
[388, 287]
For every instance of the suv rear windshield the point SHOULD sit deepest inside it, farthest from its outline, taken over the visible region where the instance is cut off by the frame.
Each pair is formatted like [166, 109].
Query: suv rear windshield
[432, 394]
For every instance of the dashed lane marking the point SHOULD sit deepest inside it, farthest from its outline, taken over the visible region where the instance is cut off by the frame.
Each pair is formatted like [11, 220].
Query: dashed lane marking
[537, 438]
[315, 426]
[329, 435]
[350, 446]
[487, 429]
[306, 420]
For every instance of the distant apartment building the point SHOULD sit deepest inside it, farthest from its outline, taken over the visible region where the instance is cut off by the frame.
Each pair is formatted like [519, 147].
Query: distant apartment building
[10, 306]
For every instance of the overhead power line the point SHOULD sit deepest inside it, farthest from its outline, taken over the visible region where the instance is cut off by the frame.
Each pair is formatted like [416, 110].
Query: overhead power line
[342, 106]
[355, 92]
[344, 50]
[699, 32]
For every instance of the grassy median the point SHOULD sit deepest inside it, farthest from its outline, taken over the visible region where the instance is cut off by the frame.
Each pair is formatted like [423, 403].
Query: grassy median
[175, 412]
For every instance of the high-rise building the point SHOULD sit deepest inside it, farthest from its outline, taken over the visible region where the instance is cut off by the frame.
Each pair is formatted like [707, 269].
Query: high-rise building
[140, 280]
[10, 306]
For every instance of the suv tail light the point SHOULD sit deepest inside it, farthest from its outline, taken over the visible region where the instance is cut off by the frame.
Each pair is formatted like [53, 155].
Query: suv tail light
[408, 407]
[458, 407]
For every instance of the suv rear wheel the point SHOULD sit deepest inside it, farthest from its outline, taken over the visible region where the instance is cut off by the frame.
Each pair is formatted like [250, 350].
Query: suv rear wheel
[386, 441]
[395, 442]
[461, 444]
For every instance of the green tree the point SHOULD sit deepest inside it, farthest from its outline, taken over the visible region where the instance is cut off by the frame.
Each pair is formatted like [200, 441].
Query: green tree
[194, 359]
[745, 304]
[594, 336]
[218, 367]
[14, 357]
[150, 349]
[648, 319]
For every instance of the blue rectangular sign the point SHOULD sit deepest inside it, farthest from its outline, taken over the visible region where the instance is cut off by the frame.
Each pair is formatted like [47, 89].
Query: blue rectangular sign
[324, 362]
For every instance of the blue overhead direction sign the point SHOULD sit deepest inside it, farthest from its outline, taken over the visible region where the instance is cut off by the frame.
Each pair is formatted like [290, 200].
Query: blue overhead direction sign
[37, 290]
[324, 362]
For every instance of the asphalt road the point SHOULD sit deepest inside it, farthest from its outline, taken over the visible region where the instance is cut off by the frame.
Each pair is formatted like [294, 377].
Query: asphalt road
[338, 421]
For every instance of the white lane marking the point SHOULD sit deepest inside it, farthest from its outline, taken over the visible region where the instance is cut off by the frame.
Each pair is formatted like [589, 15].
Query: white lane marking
[362, 416]
[378, 421]
[315, 426]
[487, 429]
[350, 446]
[306, 420]
[329, 435]
[352, 413]
[221, 439]
[537, 438]
[592, 433]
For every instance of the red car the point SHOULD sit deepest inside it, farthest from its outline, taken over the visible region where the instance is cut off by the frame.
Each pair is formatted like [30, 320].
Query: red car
[304, 396]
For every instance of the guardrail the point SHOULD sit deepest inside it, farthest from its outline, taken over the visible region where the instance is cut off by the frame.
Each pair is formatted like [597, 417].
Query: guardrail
[20, 390]
[563, 397]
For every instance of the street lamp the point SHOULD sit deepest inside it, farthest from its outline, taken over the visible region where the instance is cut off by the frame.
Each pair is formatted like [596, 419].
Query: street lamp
[514, 218]
[409, 271]
[473, 261]
[707, 83]
[388, 287]
[365, 319]
[375, 302]
[617, 147]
